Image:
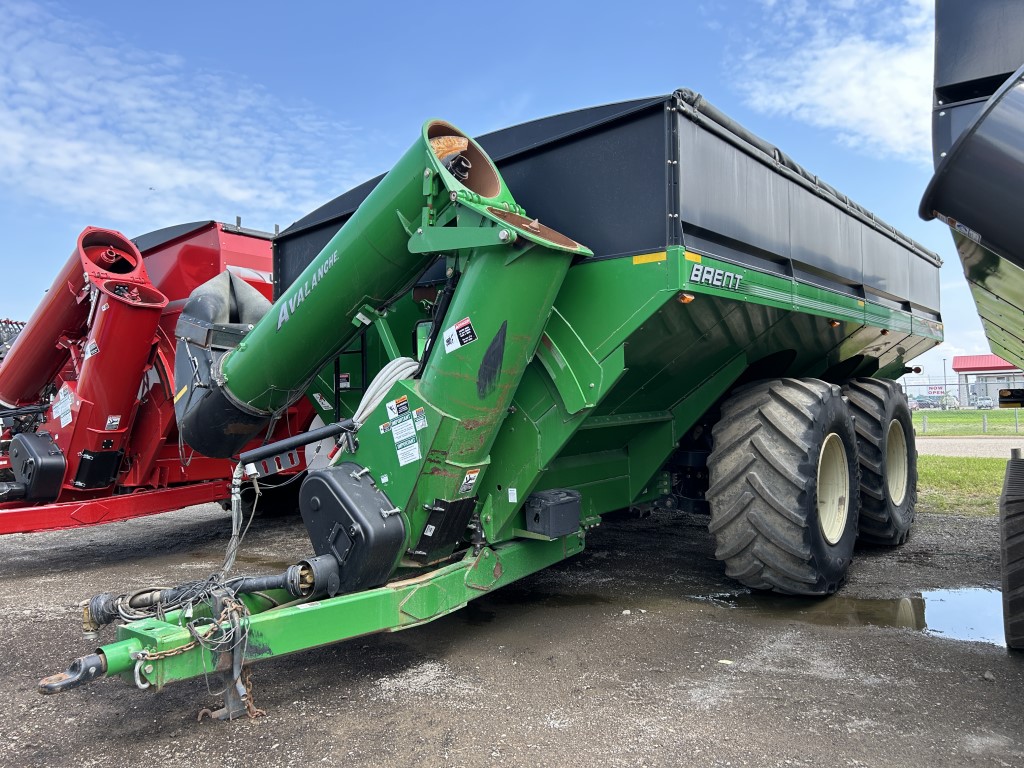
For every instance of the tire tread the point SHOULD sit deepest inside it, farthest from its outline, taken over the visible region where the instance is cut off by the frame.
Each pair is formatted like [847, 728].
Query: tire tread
[761, 477]
[869, 400]
[1011, 551]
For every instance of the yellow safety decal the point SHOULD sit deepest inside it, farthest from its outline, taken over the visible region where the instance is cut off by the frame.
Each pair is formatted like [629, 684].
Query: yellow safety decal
[650, 258]
[860, 303]
[183, 390]
[693, 257]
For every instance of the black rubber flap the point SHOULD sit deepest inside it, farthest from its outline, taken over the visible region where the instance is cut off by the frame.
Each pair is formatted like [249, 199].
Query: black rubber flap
[97, 469]
[216, 317]
[346, 515]
[445, 528]
[209, 421]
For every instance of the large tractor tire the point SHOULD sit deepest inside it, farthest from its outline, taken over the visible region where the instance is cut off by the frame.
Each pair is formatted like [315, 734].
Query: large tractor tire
[1011, 546]
[783, 486]
[888, 460]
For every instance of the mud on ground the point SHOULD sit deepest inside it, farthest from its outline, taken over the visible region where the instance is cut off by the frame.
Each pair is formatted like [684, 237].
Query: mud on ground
[617, 657]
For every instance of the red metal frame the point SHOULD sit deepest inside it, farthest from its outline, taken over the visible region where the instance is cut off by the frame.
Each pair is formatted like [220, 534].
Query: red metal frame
[125, 506]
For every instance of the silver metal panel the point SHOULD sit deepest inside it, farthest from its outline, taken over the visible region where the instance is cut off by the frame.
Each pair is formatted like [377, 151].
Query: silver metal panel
[755, 206]
[728, 192]
[821, 238]
[851, 245]
[924, 285]
[886, 265]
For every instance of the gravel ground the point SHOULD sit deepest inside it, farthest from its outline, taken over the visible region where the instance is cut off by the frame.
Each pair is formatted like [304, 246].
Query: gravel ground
[637, 652]
[992, 447]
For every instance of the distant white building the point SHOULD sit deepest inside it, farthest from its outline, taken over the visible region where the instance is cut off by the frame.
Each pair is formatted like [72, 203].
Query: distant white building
[990, 373]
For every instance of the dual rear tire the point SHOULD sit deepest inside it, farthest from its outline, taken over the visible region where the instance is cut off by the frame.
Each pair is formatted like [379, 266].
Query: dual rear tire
[888, 461]
[792, 465]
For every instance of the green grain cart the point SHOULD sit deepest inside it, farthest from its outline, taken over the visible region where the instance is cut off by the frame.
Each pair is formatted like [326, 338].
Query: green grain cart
[698, 323]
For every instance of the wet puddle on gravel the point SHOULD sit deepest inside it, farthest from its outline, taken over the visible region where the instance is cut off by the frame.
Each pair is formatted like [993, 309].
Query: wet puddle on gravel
[973, 615]
[958, 614]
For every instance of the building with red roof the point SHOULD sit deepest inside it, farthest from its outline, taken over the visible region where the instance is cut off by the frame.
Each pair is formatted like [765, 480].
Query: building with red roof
[990, 373]
[968, 364]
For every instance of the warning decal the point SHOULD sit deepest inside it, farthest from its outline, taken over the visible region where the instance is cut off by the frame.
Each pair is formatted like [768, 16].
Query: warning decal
[469, 481]
[459, 335]
[404, 432]
[419, 416]
[398, 407]
[62, 407]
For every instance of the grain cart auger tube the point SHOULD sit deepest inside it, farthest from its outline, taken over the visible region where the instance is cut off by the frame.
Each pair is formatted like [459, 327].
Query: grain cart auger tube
[419, 210]
[104, 288]
[406, 490]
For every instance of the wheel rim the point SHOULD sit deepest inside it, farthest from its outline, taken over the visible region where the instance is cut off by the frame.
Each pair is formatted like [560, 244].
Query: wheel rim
[833, 489]
[896, 462]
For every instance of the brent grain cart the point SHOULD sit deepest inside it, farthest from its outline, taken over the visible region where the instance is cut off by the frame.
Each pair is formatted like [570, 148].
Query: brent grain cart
[695, 321]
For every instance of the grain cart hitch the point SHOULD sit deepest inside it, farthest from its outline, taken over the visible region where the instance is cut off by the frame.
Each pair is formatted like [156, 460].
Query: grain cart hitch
[188, 643]
[394, 518]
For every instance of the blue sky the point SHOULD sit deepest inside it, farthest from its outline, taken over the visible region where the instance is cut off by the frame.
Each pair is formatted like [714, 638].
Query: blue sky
[135, 116]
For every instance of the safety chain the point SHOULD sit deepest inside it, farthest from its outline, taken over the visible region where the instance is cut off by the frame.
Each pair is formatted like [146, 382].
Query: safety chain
[250, 706]
[146, 655]
[231, 607]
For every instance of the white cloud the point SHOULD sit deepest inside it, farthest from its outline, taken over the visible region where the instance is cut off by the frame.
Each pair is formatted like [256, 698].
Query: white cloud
[136, 139]
[862, 69]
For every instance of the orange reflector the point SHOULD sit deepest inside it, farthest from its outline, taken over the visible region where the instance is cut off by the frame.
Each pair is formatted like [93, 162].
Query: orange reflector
[686, 298]
[833, 323]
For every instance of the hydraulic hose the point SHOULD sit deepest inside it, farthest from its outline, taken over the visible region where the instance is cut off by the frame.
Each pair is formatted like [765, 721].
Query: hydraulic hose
[236, 520]
[398, 369]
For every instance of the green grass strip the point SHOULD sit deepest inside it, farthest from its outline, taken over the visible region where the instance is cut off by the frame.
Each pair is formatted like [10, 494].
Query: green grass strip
[959, 486]
[932, 422]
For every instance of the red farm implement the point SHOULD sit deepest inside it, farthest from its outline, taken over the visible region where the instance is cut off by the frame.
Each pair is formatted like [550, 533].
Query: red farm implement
[87, 384]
